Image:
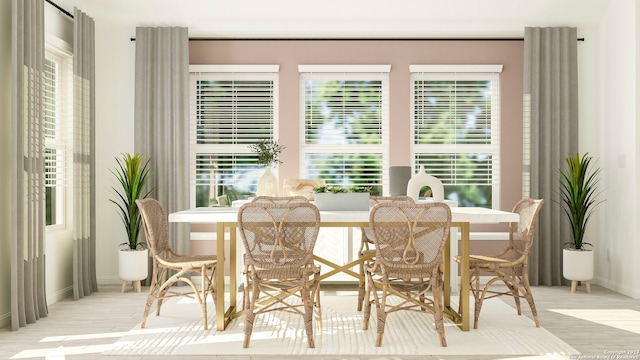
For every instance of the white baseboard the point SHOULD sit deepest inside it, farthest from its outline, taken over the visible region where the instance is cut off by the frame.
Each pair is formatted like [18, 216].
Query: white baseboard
[617, 287]
[5, 320]
[59, 295]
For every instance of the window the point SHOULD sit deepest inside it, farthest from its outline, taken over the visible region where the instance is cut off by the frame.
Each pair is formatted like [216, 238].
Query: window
[57, 119]
[232, 107]
[346, 119]
[455, 124]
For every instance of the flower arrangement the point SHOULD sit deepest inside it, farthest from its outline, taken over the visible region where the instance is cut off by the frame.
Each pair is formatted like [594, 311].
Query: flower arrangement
[268, 152]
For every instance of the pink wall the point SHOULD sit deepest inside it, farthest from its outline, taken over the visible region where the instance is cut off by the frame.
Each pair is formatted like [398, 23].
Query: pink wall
[399, 54]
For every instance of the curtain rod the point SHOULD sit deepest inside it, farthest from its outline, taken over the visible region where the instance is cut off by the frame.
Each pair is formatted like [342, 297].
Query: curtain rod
[355, 39]
[60, 8]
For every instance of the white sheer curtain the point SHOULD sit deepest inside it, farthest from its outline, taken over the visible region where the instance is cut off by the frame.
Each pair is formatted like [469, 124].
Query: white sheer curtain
[551, 126]
[162, 118]
[28, 297]
[84, 212]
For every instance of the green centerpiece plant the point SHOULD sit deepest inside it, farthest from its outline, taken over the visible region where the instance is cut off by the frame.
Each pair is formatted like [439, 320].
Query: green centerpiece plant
[268, 152]
[336, 189]
[335, 197]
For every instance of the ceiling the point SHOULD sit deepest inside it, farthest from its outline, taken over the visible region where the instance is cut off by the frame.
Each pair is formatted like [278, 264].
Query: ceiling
[347, 18]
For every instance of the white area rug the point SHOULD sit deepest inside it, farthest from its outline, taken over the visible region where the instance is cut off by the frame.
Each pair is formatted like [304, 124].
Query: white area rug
[178, 331]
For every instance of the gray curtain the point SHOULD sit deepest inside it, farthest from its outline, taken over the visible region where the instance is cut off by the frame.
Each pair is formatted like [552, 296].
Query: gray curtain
[28, 297]
[162, 118]
[84, 209]
[551, 94]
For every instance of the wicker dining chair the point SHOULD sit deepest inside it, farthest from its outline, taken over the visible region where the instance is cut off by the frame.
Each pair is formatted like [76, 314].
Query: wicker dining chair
[280, 273]
[409, 241]
[366, 241]
[165, 260]
[510, 265]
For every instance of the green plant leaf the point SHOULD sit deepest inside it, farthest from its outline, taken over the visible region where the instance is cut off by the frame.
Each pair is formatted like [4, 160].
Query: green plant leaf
[268, 152]
[132, 174]
[578, 194]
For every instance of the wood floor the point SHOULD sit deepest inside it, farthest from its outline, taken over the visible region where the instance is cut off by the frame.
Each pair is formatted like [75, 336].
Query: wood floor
[83, 329]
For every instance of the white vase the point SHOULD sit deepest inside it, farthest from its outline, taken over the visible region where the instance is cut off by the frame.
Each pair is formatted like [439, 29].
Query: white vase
[420, 179]
[268, 184]
[577, 264]
[133, 264]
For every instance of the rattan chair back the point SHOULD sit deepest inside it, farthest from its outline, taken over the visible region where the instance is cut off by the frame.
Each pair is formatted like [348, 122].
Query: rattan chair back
[410, 237]
[278, 236]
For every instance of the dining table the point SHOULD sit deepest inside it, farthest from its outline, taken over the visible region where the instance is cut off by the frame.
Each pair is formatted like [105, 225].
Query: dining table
[226, 221]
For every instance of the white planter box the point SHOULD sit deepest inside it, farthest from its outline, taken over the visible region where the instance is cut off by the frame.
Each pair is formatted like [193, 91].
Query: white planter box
[577, 264]
[342, 201]
[132, 264]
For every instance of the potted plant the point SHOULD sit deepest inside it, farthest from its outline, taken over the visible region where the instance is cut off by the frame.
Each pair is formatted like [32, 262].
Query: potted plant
[352, 198]
[132, 174]
[268, 155]
[578, 193]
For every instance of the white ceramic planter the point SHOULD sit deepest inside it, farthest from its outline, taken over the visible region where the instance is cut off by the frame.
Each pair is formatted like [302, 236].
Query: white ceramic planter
[577, 265]
[133, 264]
[342, 201]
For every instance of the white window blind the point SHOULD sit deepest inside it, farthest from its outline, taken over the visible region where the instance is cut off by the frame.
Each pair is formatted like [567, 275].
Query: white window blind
[346, 121]
[57, 107]
[455, 124]
[231, 108]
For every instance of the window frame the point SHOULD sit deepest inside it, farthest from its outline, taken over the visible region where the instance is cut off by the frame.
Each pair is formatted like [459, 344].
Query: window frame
[452, 73]
[227, 73]
[347, 72]
[59, 52]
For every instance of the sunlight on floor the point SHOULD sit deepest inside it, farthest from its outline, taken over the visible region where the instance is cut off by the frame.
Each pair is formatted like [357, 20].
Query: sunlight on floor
[623, 319]
[59, 353]
[84, 336]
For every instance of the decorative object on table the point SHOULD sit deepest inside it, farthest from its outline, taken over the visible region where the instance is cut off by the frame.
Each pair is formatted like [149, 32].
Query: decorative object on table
[420, 179]
[132, 174]
[170, 267]
[510, 266]
[301, 187]
[398, 180]
[578, 193]
[409, 240]
[338, 198]
[268, 155]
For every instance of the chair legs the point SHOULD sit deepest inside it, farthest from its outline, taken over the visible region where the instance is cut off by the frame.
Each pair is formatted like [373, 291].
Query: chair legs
[361, 287]
[160, 288]
[255, 304]
[517, 287]
[417, 299]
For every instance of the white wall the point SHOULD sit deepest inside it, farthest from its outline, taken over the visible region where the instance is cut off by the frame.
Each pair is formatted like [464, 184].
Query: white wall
[115, 55]
[617, 265]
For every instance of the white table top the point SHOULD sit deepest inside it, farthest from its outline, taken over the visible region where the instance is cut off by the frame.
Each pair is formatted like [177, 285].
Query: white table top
[473, 215]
